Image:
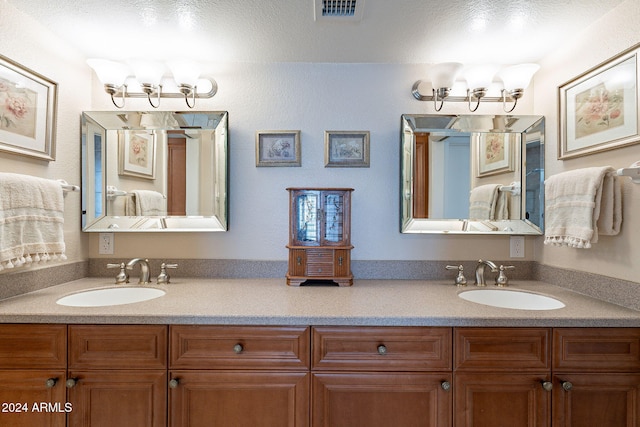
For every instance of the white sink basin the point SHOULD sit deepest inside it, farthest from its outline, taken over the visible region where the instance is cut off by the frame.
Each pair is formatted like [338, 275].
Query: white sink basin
[509, 298]
[110, 296]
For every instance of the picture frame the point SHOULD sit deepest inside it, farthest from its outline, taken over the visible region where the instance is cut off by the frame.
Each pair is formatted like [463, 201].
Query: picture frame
[599, 108]
[278, 148]
[494, 153]
[137, 154]
[346, 149]
[28, 102]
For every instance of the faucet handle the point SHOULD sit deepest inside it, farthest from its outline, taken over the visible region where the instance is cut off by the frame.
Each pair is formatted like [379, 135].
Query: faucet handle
[460, 279]
[502, 280]
[122, 276]
[163, 277]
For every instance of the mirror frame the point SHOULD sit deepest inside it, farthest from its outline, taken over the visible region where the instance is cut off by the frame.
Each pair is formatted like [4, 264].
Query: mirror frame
[460, 125]
[103, 125]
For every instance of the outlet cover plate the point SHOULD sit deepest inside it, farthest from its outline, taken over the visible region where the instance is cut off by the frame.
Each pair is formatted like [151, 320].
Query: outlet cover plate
[516, 247]
[105, 244]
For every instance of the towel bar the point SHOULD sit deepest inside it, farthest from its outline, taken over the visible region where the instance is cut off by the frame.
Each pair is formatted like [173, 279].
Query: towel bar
[632, 172]
[68, 187]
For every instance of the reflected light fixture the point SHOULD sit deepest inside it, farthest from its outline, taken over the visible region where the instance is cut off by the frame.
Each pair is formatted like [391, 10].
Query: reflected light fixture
[478, 78]
[154, 84]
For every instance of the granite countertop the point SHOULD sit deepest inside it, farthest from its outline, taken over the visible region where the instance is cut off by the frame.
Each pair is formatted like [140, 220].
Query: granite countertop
[272, 302]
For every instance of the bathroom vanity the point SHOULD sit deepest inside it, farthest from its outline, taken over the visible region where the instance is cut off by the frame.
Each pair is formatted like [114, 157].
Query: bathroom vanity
[379, 353]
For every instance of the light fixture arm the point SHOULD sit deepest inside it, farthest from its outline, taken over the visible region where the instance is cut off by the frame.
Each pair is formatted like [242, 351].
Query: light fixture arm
[515, 95]
[113, 90]
[436, 94]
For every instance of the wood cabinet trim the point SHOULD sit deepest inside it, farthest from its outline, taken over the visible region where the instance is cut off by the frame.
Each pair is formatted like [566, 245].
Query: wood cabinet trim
[33, 346]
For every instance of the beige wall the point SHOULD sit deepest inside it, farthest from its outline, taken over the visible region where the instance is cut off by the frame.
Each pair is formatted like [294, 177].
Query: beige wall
[612, 256]
[315, 98]
[33, 46]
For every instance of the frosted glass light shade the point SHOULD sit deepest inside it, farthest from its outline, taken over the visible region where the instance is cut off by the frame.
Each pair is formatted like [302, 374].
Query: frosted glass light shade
[185, 73]
[148, 72]
[445, 74]
[109, 72]
[518, 76]
[479, 76]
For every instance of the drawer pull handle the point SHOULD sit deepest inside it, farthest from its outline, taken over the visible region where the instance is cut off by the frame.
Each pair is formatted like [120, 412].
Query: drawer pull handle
[446, 385]
[238, 348]
[51, 382]
[340, 261]
[567, 386]
[299, 260]
[71, 382]
[382, 349]
[174, 383]
[547, 385]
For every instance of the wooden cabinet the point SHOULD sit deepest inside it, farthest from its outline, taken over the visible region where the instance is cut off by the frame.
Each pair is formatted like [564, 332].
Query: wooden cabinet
[239, 376]
[596, 377]
[33, 361]
[502, 377]
[117, 375]
[381, 376]
[319, 235]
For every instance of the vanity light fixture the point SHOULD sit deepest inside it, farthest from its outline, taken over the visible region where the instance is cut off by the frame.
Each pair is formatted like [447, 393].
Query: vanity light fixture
[154, 84]
[478, 78]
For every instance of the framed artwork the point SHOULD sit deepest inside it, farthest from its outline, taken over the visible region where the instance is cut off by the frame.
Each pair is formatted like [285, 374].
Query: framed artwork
[137, 154]
[28, 104]
[494, 153]
[278, 148]
[599, 109]
[347, 149]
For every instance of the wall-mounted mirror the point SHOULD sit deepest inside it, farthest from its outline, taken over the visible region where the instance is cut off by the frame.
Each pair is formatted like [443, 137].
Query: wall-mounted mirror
[154, 171]
[472, 174]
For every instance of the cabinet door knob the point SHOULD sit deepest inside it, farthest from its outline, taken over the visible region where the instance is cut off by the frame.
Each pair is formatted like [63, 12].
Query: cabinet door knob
[566, 385]
[446, 385]
[71, 382]
[51, 382]
[174, 382]
[382, 349]
[238, 348]
[547, 385]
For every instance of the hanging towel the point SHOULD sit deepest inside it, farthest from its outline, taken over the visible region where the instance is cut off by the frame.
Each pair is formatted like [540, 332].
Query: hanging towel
[483, 201]
[31, 220]
[149, 203]
[502, 205]
[581, 204]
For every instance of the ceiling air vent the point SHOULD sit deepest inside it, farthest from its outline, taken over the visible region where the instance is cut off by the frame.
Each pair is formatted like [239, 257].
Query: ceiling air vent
[338, 10]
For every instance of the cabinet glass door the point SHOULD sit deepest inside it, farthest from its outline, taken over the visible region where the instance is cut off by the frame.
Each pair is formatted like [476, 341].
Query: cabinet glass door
[306, 226]
[334, 217]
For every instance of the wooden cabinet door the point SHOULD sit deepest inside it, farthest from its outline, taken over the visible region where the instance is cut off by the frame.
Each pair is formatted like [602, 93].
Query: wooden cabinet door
[596, 400]
[104, 398]
[501, 400]
[27, 401]
[381, 400]
[239, 399]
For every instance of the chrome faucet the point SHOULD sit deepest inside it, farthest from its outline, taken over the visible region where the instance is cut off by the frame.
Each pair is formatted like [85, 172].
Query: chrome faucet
[144, 269]
[480, 271]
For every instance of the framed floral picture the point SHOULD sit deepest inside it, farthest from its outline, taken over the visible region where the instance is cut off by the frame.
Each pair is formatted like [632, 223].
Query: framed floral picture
[28, 104]
[137, 154]
[494, 153]
[278, 148]
[346, 149]
[599, 109]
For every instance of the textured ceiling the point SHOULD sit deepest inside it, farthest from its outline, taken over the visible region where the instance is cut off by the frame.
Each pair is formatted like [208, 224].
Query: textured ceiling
[391, 31]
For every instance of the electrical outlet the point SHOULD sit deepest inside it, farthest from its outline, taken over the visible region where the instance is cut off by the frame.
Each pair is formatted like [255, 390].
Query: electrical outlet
[105, 244]
[516, 247]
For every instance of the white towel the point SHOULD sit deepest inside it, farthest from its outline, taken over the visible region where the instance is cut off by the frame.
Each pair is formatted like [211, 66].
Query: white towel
[580, 204]
[31, 220]
[149, 203]
[483, 201]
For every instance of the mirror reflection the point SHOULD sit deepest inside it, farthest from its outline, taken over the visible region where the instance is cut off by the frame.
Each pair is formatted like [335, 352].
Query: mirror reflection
[472, 174]
[154, 171]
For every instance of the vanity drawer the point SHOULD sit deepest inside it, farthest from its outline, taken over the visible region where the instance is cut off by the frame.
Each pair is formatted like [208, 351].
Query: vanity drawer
[596, 349]
[33, 346]
[502, 349]
[337, 348]
[117, 346]
[319, 262]
[239, 347]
